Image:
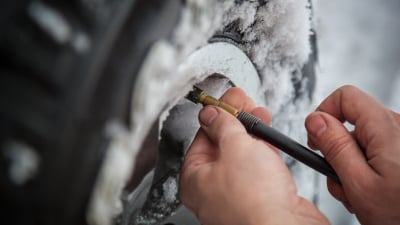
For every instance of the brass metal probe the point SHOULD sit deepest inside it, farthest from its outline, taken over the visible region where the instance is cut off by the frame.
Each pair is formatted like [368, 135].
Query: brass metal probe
[198, 96]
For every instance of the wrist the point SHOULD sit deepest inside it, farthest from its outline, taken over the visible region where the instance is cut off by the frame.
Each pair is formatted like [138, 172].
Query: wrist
[272, 217]
[285, 216]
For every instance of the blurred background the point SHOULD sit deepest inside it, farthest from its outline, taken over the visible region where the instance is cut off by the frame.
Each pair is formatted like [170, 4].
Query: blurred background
[358, 45]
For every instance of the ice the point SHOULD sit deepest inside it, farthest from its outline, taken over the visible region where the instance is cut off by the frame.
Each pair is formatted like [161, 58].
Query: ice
[164, 202]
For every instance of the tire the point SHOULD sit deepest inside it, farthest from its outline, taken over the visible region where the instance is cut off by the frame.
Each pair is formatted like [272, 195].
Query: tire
[59, 90]
[66, 84]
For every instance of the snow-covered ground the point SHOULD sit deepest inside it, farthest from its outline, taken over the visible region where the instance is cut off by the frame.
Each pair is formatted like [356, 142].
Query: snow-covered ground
[358, 45]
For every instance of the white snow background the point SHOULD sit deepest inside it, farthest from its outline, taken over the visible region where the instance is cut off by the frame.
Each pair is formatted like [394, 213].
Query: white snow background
[358, 45]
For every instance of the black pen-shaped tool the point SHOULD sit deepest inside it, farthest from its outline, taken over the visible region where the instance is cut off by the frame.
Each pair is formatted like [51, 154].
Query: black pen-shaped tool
[256, 127]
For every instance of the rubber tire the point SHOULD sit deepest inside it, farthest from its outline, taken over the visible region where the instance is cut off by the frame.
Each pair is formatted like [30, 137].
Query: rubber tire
[57, 100]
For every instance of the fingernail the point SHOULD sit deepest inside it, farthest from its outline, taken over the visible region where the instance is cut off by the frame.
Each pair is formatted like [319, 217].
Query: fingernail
[208, 115]
[316, 125]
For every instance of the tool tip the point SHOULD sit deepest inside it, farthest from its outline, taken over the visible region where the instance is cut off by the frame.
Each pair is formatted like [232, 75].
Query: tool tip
[194, 95]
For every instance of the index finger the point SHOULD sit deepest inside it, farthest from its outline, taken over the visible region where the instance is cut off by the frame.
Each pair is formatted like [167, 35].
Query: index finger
[237, 98]
[371, 118]
[348, 103]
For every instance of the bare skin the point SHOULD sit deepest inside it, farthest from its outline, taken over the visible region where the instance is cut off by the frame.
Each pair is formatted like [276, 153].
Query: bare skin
[229, 177]
[367, 159]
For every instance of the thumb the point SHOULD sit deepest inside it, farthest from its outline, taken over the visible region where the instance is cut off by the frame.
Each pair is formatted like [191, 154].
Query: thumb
[336, 143]
[219, 125]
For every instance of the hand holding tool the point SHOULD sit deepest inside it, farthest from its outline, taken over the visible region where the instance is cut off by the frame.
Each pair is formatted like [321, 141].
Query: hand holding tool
[257, 128]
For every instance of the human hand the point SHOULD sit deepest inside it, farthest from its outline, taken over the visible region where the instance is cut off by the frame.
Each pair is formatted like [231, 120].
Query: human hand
[229, 177]
[366, 160]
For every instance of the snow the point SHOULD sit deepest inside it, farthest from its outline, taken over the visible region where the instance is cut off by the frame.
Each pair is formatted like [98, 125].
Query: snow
[275, 38]
[277, 43]
[57, 26]
[51, 21]
[170, 188]
[164, 203]
[356, 47]
[105, 202]
[24, 161]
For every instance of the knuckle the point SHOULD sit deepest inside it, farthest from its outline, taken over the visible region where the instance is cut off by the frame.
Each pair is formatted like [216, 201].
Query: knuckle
[348, 89]
[347, 93]
[336, 145]
[223, 122]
